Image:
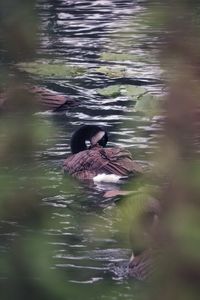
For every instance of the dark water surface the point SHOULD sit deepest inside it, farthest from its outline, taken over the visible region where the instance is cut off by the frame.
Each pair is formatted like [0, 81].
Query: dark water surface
[77, 32]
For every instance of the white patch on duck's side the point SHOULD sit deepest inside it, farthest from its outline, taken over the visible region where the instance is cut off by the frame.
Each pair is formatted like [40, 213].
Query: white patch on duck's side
[45, 113]
[97, 137]
[131, 258]
[107, 178]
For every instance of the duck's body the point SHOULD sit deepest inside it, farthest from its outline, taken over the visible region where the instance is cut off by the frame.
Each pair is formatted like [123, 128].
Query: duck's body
[45, 99]
[98, 160]
[145, 252]
[86, 163]
[143, 265]
[50, 100]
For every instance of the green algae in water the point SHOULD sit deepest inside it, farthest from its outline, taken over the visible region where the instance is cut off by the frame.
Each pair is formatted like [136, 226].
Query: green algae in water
[149, 104]
[111, 91]
[116, 71]
[130, 91]
[112, 72]
[146, 103]
[50, 69]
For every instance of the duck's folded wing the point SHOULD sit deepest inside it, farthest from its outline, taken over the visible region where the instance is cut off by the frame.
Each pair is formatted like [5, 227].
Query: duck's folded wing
[48, 99]
[120, 162]
[142, 266]
[87, 164]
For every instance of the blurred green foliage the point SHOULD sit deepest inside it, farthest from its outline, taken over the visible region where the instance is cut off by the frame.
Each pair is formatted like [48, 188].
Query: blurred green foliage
[18, 29]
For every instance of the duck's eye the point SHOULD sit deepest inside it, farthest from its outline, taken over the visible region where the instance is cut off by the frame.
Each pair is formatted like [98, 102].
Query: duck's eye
[88, 144]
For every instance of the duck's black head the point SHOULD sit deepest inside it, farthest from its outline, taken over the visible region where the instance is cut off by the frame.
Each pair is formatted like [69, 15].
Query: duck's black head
[92, 133]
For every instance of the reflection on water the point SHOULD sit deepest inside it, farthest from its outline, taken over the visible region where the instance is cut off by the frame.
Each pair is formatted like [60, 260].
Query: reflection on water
[77, 32]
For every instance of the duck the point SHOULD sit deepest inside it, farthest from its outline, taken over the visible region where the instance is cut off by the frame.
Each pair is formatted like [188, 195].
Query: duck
[50, 100]
[94, 161]
[45, 99]
[143, 266]
[145, 254]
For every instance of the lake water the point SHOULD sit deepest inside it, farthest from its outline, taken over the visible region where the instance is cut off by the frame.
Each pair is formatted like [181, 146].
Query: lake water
[77, 33]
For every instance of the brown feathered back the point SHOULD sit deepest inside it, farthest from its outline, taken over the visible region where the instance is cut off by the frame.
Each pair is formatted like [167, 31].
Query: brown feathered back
[143, 265]
[45, 99]
[89, 163]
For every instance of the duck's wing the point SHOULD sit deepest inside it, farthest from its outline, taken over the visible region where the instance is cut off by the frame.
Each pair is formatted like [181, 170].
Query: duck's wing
[48, 99]
[145, 264]
[142, 266]
[87, 164]
[119, 162]
[45, 98]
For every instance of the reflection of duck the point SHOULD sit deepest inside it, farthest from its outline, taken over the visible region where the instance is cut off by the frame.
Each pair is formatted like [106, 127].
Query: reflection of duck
[45, 99]
[88, 162]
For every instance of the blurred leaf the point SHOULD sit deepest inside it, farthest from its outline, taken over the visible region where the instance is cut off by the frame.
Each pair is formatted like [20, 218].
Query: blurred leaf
[185, 223]
[130, 209]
